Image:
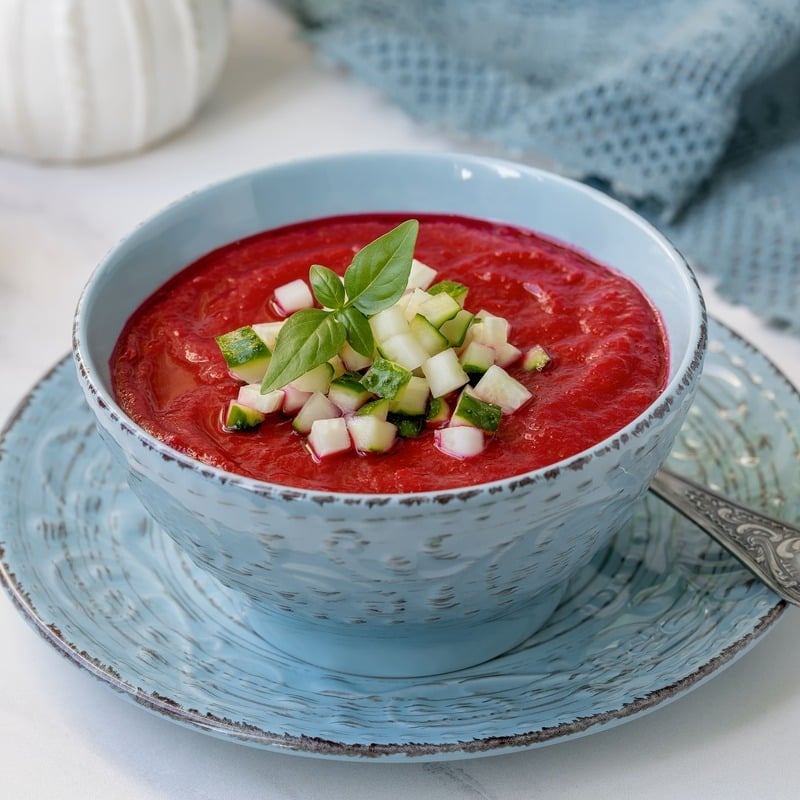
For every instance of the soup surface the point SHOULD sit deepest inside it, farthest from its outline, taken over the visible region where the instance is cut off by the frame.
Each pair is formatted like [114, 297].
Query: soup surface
[608, 348]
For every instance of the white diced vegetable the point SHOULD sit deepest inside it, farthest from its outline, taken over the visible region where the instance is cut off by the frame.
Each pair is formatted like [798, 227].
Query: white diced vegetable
[317, 407]
[498, 387]
[455, 329]
[352, 359]
[388, 323]
[329, 436]
[413, 300]
[268, 332]
[506, 354]
[421, 275]
[428, 336]
[460, 442]
[293, 399]
[371, 434]
[439, 308]
[477, 357]
[293, 296]
[489, 330]
[444, 373]
[250, 396]
[315, 380]
[412, 399]
[536, 358]
[405, 350]
[241, 418]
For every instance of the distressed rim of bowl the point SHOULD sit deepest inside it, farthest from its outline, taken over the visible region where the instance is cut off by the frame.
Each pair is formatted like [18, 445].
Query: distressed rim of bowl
[686, 374]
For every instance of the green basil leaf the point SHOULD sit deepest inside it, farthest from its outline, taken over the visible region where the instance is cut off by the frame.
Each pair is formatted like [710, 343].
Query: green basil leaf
[378, 274]
[359, 332]
[327, 286]
[307, 339]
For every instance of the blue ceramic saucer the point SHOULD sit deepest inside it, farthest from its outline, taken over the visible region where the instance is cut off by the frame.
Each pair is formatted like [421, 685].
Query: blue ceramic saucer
[654, 615]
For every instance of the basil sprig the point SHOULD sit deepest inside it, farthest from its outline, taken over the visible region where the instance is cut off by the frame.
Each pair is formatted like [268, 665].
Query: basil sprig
[375, 280]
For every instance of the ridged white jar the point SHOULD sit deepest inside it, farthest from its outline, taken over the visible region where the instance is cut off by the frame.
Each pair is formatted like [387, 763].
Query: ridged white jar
[82, 80]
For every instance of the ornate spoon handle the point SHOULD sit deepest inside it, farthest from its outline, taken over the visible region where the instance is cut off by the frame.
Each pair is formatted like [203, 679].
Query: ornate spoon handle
[769, 548]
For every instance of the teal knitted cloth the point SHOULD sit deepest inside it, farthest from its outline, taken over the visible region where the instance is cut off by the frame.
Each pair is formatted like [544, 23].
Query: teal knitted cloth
[688, 110]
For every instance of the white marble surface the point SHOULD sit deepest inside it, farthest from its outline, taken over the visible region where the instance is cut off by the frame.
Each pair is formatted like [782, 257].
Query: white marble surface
[64, 735]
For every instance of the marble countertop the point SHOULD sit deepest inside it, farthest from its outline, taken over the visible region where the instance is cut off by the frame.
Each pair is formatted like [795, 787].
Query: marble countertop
[64, 735]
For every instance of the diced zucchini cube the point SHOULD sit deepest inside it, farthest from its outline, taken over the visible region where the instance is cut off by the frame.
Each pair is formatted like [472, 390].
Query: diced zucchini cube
[439, 308]
[371, 434]
[428, 336]
[489, 330]
[438, 411]
[535, 359]
[250, 396]
[241, 418]
[444, 373]
[471, 410]
[352, 359]
[293, 399]
[348, 393]
[476, 358]
[498, 387]
[506, 354]
[456, 290]
[317, 379]
[388, 323]
[460, 442]
[405, 350]
[385, 378]
[455, 329]
[292, 296]
[421, 275]
[245, 353]
[375, 408]
[328, 437]
[408, 427]
[318, 406]
[268, 332]
[412, 399]
[412, 301]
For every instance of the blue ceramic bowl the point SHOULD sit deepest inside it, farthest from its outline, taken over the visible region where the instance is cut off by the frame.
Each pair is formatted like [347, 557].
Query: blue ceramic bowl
[405, 584]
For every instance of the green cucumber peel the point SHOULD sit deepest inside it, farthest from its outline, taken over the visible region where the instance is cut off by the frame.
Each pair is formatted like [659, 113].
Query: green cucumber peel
[375, 280]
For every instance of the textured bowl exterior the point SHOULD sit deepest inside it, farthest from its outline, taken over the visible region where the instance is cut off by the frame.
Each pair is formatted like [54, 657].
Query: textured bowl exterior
[395, 584]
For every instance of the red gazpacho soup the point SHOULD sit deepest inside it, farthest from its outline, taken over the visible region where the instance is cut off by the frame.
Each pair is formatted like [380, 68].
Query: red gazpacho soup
[607, 349]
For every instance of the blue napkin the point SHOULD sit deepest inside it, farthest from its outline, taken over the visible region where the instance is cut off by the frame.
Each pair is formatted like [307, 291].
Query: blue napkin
[688, 110]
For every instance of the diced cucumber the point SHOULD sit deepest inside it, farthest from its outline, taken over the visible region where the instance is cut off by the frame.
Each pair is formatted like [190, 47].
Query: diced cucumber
[375, 408]
[536, 359]
[498, 387]
[471, 410]
[388, 323]
[371, 434]
[250, 396]
[490, 330]
[506, 354]
[428, 336]
[477, 358]
[444, 373]
[455, 329]
[408, 427]
[338, 367]
[412, 399]
[241, 418]
[405, 350]
[348, 393]
[456, 290]
[268, 332]
[385, 378]
[421, 275]
[412, 301]
[292, 296]
[328, 437]
[318, 406]
[315, 380]
[245, 353]
[352, 359]
[439, 308]
[293, 399]
[460, 442]
[438, 411]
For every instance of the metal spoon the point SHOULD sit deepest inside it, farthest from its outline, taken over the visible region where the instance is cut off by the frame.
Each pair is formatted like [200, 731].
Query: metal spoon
[769, 548]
